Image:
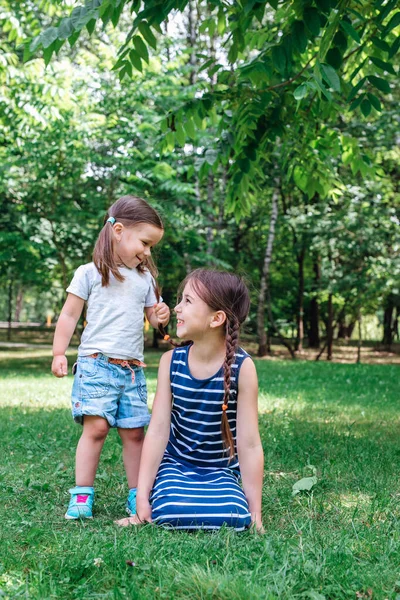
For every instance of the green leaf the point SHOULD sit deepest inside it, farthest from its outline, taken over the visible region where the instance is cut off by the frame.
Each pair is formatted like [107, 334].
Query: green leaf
[356, 88]
[221, 21]
[279, 59]
[300, 178]
[395, 47]
[322, 88]
[305, 484]
[91, 25]
[233, 53]
[141, 48]
[299, 36]
[340, 41]
[65, 28]
[72, 38]
[257, 73]
[356, 102]
[27, 52]
[323, 5]
[207, 64]
[190, 129]
[312, 20]
[334, 58]
[381, 44]
[148, 34]
[358, 69]
[375, 102]
[107, 14]
[48, 53]
[385, 66]
[379, 83]
[328, 35]
[349, 29]
[136, 60]
[170, 140]
[48, 36]
[331, 77]
[180, 135]
[389, 6]
[116, 14]
[365, 107]
[301, 91]
[394, 22]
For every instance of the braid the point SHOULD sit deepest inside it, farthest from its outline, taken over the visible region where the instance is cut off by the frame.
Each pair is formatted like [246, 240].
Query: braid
[232, 339]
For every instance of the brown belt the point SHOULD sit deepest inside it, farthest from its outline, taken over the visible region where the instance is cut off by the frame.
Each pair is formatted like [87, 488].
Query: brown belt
[123, 363]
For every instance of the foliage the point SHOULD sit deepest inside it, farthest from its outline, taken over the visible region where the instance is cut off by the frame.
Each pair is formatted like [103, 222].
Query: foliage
[326, 56]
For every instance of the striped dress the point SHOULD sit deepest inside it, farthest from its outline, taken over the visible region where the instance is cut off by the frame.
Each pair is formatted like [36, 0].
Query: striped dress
[196, 487]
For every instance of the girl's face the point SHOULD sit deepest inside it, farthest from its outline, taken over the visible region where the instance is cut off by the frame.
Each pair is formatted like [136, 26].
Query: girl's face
[194, 317]
[132, 245]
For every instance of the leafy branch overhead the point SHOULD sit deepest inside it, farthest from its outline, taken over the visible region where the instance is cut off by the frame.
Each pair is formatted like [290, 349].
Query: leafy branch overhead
[275, 66]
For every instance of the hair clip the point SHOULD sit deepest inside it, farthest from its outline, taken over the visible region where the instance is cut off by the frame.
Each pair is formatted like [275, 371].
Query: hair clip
[110, 220]
[166, 337]
[224, 407]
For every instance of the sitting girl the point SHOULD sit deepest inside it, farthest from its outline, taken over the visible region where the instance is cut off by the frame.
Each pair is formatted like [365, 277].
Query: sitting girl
[205, 419]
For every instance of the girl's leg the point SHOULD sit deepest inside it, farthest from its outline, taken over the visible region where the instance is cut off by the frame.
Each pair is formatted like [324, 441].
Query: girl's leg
[95, 430]
[132, 442]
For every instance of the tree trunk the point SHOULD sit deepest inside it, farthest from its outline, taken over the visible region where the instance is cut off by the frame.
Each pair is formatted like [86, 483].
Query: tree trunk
[329, 329]
[10, 298]
[191, 39]
[387, 324]
[210, 226]
[262, 336]
[300, 302]
[350, 329]
[313, 334]
[359, 343]
[18, 303]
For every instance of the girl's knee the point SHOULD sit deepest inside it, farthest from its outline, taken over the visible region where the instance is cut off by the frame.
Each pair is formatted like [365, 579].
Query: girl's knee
[96, 428]
[132, 435]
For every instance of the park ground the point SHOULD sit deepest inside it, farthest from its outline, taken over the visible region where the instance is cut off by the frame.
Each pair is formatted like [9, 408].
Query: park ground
[340, 540]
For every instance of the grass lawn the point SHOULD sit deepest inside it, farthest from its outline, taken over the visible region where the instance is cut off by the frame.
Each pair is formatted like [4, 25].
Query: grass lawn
[342, 540]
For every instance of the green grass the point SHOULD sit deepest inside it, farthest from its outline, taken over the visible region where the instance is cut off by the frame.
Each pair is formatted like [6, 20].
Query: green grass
[342, 540]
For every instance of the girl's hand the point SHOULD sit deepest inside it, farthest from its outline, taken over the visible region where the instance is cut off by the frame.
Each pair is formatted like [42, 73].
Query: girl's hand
[256, 523]
[59, 366]
[143, 510]
[162, 313]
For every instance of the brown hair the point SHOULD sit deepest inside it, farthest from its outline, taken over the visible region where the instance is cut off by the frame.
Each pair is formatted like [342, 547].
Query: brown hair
[130, 211]
[224, 291]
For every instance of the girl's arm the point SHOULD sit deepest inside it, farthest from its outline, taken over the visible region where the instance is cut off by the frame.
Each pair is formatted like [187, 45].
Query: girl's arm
[65, 328]
[250, 452]
[156, 438]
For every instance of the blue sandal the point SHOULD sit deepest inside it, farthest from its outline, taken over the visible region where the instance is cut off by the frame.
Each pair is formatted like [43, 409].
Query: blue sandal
[81, 503]
[131, 502]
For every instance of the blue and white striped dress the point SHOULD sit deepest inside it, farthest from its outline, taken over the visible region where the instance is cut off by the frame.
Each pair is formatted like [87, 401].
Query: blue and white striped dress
[196, 487]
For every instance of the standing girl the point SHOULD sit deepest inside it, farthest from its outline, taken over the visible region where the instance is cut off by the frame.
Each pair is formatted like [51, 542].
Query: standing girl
[205, 418]
[109, 387]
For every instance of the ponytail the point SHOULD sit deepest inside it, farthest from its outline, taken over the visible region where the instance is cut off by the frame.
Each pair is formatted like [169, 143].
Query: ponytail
[103, 254]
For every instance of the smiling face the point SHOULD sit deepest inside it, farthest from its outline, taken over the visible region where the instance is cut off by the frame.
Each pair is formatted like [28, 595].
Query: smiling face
[194, 317]
[132, 245]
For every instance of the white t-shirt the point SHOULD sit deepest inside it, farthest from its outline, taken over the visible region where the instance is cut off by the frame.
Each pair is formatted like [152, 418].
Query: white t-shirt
[114, 313]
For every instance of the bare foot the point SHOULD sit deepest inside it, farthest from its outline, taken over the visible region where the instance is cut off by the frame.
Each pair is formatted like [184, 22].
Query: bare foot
[128, 521]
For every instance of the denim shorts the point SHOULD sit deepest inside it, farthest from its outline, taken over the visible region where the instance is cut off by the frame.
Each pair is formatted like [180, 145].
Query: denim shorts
[103, 389]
